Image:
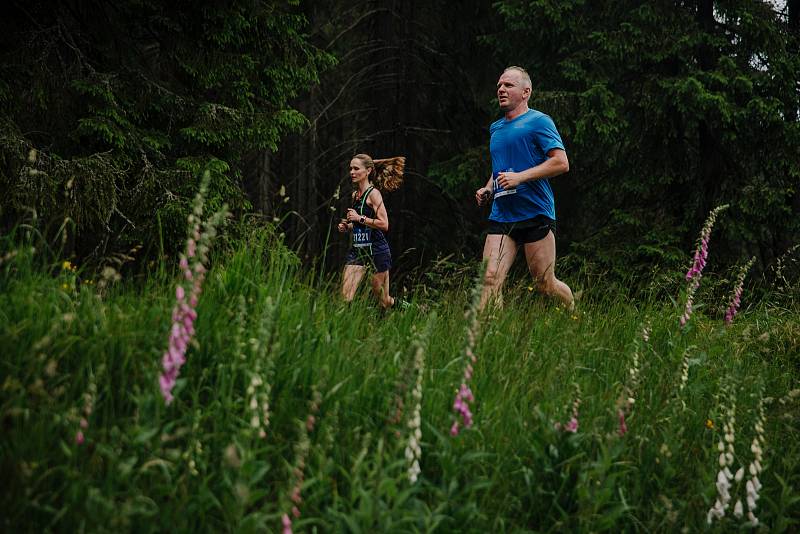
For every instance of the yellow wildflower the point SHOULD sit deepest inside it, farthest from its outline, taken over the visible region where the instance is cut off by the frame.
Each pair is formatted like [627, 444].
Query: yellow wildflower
[709, 423]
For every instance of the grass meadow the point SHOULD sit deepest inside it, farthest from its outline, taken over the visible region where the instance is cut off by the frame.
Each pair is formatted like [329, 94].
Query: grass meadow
[296, 412]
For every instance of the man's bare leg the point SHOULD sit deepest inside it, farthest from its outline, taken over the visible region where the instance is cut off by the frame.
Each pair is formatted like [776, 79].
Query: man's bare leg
[499, 252]
[541, 258]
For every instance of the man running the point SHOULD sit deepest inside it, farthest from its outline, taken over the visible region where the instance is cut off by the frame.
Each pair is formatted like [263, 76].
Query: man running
[526, 151]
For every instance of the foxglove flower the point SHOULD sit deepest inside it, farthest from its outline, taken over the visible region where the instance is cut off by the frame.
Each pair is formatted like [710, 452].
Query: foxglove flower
[464, 394]
[685, 367]
[259, 389]
[735, 301]
[87, 409]
[725, 447]
[695, 272]
[413, 450]
[753, 485]
[630, 387]
[572, 424]
[461, 406]
[184, 313]
[623, 428]
[301, 449]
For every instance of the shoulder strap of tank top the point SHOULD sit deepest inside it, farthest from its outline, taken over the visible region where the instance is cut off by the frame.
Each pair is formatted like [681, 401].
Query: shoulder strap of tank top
[364, 199]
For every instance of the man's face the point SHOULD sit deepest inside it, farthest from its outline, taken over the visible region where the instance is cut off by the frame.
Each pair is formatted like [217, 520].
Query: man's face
[510, 90]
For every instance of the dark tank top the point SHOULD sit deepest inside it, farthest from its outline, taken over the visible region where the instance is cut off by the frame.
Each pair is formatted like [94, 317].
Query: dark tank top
[365, 238]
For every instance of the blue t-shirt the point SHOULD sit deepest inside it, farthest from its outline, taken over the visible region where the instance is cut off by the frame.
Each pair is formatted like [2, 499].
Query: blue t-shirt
[518, 145]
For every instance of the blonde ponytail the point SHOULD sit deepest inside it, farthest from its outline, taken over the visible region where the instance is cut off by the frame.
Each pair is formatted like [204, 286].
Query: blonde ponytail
[389, 173]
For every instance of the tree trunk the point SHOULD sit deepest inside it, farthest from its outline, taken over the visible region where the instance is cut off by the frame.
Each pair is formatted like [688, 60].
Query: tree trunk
[794, 43]
[709, 164]
[311, 178]
[262, 183]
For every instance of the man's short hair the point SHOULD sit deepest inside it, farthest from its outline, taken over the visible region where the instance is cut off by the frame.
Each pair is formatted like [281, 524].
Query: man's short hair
[526, 78]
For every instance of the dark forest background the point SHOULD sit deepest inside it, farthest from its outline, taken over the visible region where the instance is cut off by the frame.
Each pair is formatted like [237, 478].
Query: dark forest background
[111, 111]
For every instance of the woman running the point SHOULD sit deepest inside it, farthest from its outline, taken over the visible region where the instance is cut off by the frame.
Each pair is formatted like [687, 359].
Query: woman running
[368, 221]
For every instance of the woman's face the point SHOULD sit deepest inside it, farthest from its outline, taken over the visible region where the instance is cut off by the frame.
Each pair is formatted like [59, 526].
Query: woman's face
[358, 171]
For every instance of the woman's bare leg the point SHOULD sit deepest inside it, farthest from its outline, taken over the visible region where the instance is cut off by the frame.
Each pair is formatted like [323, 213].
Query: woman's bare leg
[380, 287]
[351, 277]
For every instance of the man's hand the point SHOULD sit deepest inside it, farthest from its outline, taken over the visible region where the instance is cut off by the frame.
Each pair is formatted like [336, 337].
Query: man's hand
[509, 180]
[342, 226]
[482, 195]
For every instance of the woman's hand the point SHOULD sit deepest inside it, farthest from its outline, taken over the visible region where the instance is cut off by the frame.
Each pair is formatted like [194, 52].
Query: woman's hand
[342, 226]
[352, 215]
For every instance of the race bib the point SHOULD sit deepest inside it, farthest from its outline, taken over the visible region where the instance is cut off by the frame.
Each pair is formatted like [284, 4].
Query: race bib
[498, 189]
[362, 236]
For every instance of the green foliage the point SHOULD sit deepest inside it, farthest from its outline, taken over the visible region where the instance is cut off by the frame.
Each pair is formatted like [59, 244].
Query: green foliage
[200, 464]
[666, 114]
[630, 255]
[460, 174]
[130, 103]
